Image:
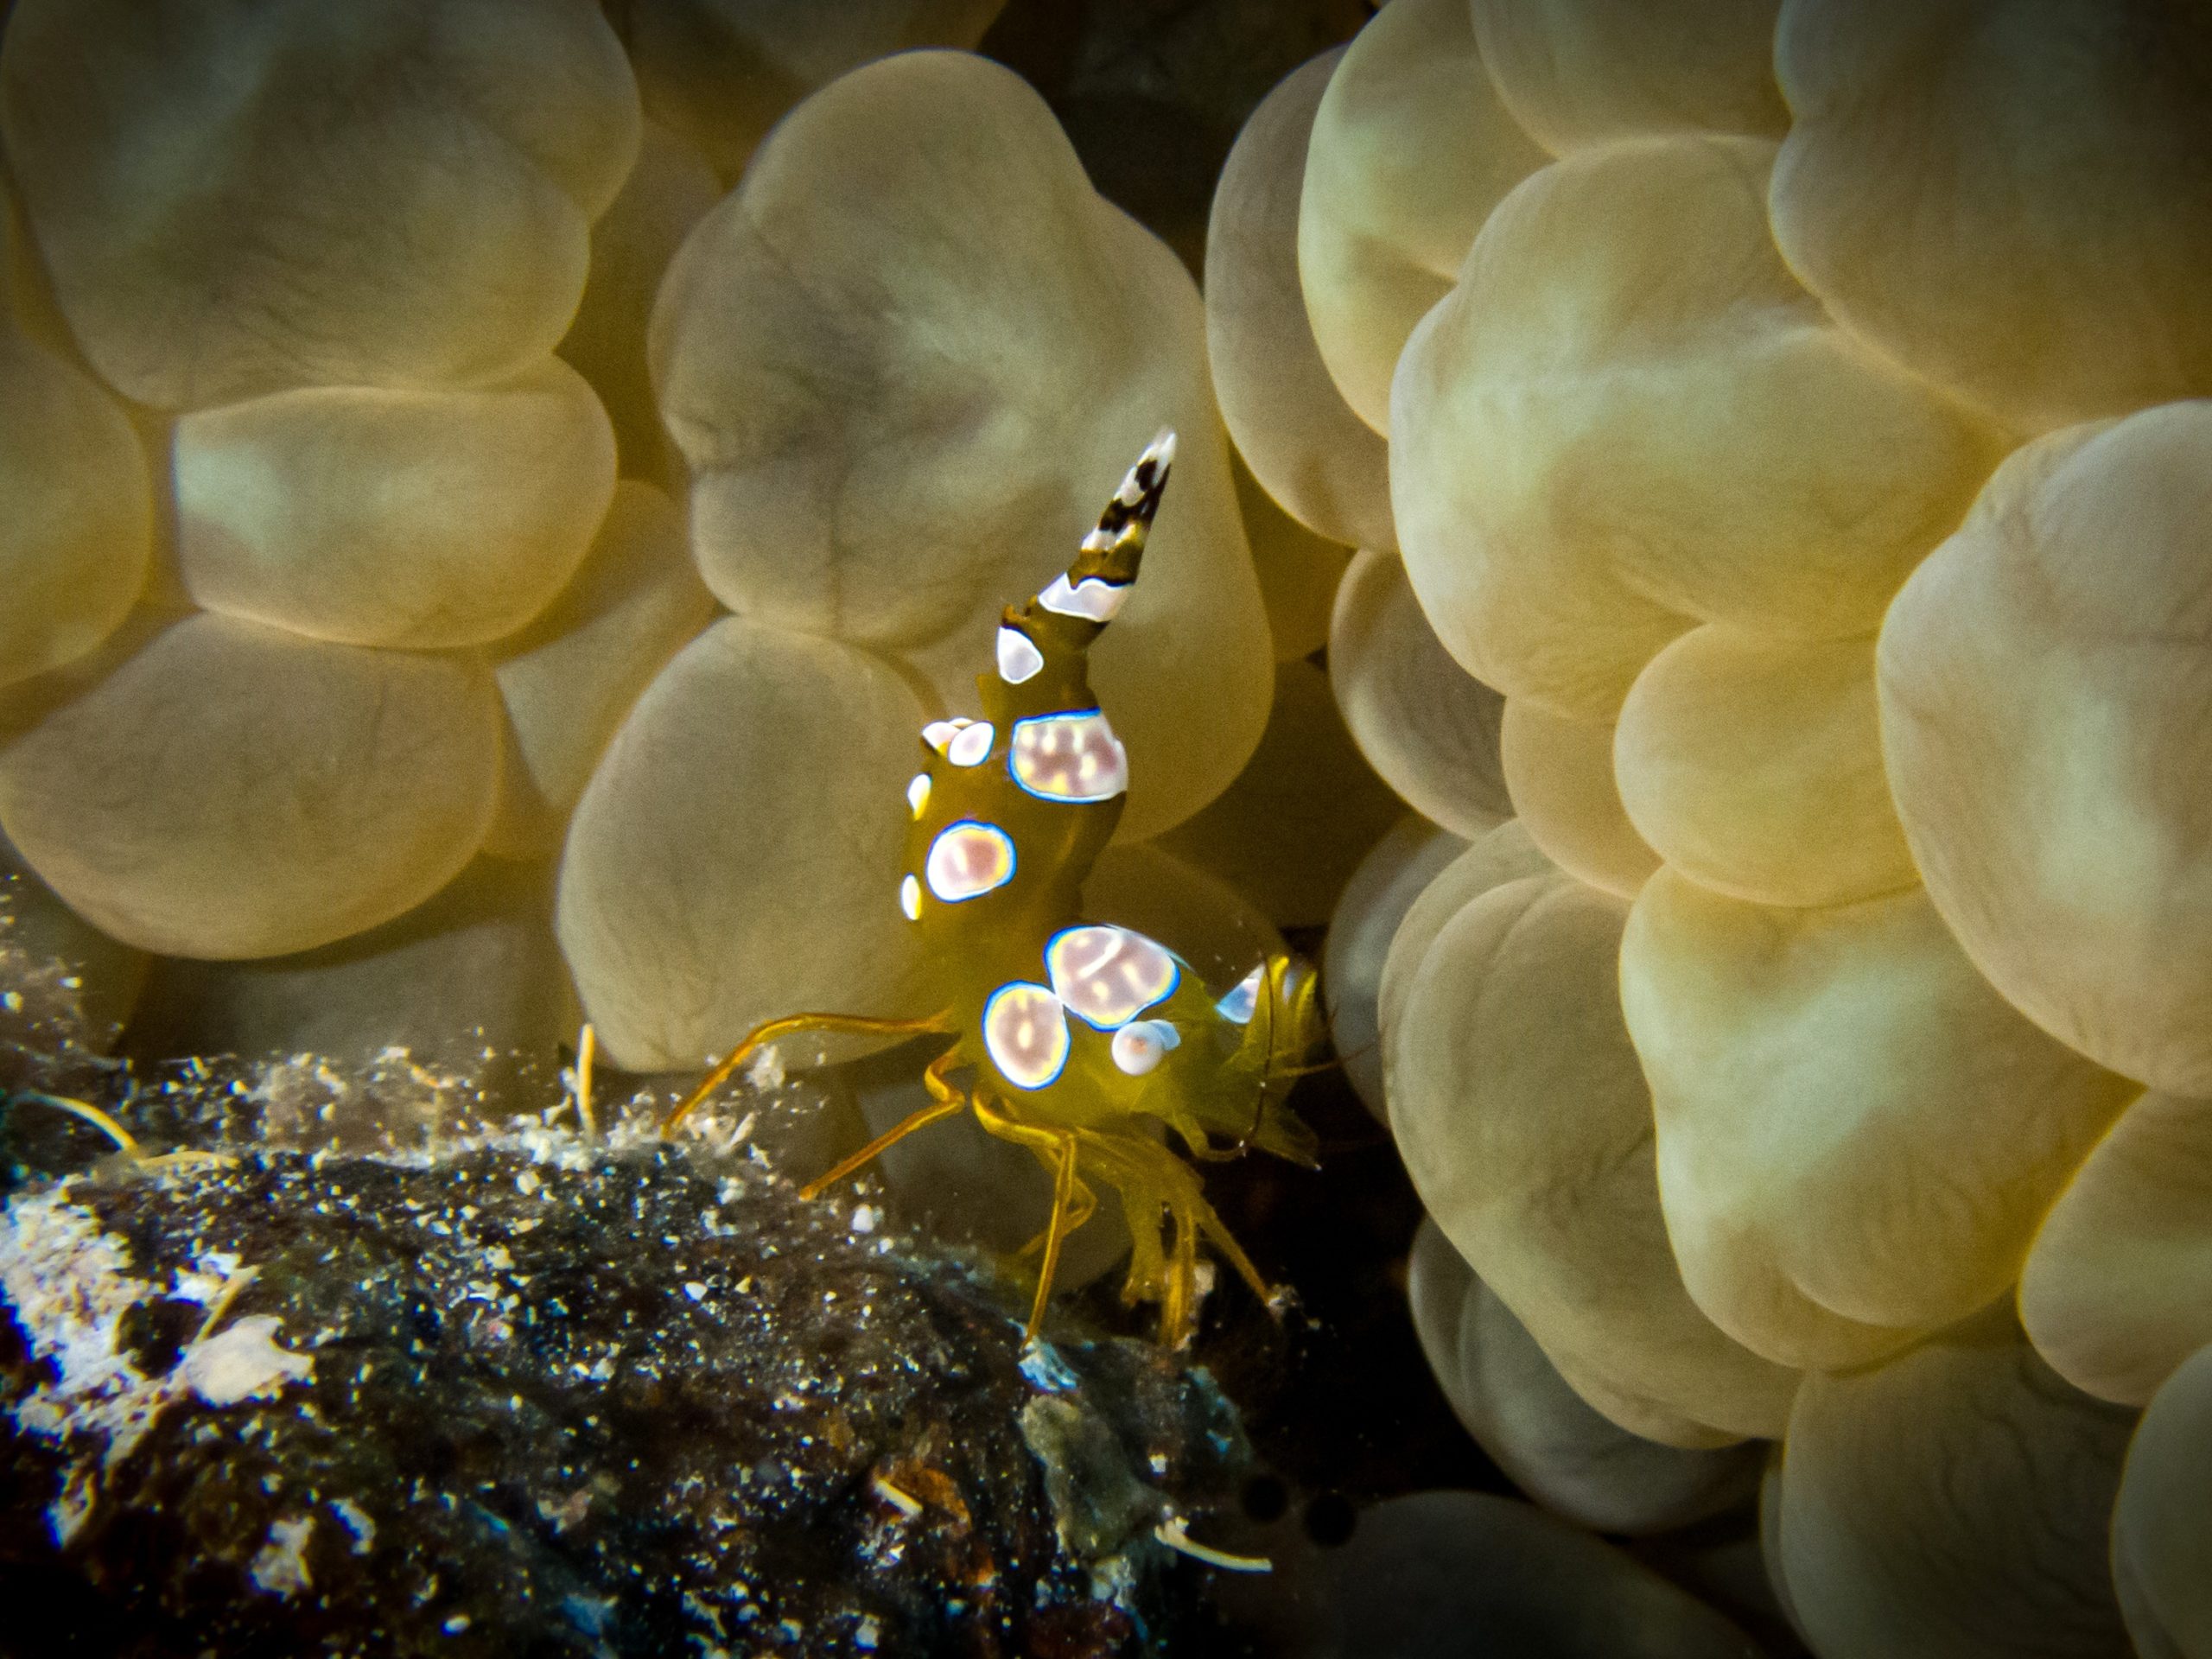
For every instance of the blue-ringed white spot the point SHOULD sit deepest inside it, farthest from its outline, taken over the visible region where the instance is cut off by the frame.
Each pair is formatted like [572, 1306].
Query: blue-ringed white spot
[971, 744]
[1107, 975]
[1025, 1033]
[1240, 1004]
[910, 899]
[969, 859]
[1138, 1045]
[1019, 658]
[1071, 757]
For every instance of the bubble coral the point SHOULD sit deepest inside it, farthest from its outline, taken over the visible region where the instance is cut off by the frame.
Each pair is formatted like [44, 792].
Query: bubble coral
[1795, 425]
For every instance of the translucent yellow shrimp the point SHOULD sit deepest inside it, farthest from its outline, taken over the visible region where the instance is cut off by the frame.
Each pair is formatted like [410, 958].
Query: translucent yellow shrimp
[1068, 1034]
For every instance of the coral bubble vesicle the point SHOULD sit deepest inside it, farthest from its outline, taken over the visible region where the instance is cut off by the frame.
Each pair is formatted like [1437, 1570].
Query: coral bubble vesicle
[215, 233]
[235, 791]
[2045, 681]
[899, 360]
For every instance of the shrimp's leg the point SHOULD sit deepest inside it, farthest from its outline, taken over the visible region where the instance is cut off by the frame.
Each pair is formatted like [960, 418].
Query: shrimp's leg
[1152, 1179]
[944, 1101]
[775, 1028]
[1058, 1147]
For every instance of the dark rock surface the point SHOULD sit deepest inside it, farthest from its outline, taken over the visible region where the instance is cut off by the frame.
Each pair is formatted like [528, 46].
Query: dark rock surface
[381, 1379]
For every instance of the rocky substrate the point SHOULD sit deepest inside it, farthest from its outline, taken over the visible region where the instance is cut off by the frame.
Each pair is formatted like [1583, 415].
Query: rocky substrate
[363, 1373]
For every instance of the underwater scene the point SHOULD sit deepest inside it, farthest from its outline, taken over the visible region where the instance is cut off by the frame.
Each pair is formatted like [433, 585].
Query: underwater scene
[1106, 828]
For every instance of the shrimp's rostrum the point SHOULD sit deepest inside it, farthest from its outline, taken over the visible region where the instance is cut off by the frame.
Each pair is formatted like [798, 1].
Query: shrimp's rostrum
[1068, 1034]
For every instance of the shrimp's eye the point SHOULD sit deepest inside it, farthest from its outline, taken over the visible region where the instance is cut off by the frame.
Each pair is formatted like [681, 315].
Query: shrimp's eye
[1139, 1045]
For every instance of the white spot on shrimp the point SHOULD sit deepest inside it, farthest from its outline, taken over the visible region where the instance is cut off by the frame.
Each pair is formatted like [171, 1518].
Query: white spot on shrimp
[969, 859]
[1019, 658]
[918, 793]
[1069, 757]
[910, 899]
[1108, 975]
[1090, 598]
[1240, 1004]
[1025, 1033]
[971, 745]
[1138, 1045]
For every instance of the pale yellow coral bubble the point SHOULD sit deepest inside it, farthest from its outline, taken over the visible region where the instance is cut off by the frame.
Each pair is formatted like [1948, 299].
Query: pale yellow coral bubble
[2118, 1289]
[720, 73]
[2007, 197]
[470, 981]
[1753, 765]
[735, 857]
[1438, 1572]
[1549, 1442]
[1559, 774]
[1395, 872]
[2046, 693]
[214, 233]
[374, 516]
[235, 791]
[1628, 413]
[76, 532]
[1857, 1136]
[2161, 1549]
[1526, 1125]
[1426, 725]
[1579, 73]
[1505, 854]
[910, 359]
[1288, 832]
[1328, 468]
[1411, 150]
[668, 191]
[568, 678]
[1952, 1503]
[1299, 571]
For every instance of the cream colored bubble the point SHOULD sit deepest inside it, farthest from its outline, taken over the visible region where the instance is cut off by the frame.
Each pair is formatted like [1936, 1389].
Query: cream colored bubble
[380, 518]
[910, 359]
[2046, 692]
[1952, 1502]
[1523, 1119]
[233, 791]
[1753, 765]
[1395, 872]
[1505, 854]
[1298, 570]
[214, 234]
[735, 857]
[1327, 467]
[1857, 1136]
[77, 531]
[1411, 150]
[668, 190]
[468, 982]
[2161, 1550]
[568, 678]
[1428, 727]
[1289, 831]
[2008, 197]
[1587, 71]
[720, 73]
[1201, 919]
[1559, 774]
[1548, 1439]
[1422, 1574]
[2118, 1289]
[1628, 413]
